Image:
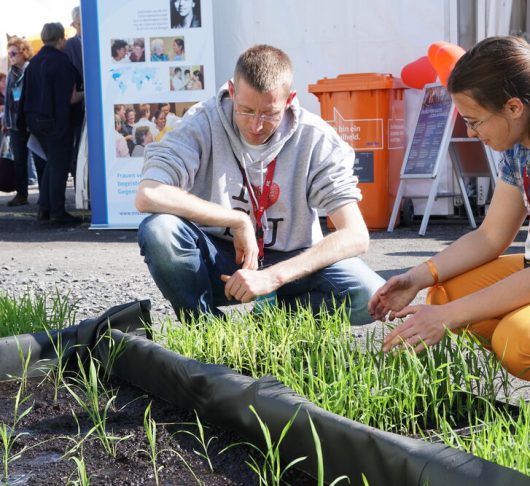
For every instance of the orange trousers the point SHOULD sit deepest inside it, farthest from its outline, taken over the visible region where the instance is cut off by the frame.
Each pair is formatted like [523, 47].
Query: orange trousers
[507, 336]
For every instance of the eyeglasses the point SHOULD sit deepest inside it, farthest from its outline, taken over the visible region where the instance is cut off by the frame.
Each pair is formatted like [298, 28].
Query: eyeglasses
[474, 126]
[262, 118]
[13, 53]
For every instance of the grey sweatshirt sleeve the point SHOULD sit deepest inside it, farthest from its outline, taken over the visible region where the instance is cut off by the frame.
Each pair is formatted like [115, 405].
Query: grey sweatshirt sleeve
[175, 160]
[332, 181]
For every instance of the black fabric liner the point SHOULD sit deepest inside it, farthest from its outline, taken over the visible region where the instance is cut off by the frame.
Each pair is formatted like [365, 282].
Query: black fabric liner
[222, 397]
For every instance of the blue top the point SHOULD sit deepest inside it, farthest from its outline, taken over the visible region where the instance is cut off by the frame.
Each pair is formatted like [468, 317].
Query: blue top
[159, 57]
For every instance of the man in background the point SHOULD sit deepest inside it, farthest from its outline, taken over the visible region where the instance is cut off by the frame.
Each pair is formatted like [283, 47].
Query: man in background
[45, 108]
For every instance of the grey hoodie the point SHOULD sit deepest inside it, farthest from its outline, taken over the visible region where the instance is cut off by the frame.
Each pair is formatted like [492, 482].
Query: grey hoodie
[314, 169]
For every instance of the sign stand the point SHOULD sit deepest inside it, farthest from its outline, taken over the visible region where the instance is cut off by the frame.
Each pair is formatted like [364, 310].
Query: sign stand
[438, 131]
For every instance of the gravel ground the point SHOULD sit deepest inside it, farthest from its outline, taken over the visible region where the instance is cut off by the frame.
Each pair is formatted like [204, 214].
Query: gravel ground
[102, 268]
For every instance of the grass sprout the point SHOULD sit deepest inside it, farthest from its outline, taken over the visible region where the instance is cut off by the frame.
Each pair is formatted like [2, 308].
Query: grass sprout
[32, 313]
[89, 393]
[447, 386]
[201, 439]
[8, 434]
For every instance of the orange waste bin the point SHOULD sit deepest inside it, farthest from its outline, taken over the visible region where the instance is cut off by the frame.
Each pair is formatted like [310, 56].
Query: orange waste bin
[367, 110]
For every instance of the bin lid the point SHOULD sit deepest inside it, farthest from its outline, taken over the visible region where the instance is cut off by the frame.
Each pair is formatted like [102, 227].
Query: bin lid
[356, 82]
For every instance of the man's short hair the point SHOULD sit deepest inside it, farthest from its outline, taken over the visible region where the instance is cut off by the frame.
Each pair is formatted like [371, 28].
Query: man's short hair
[140, 133]
[51, 33]
[264, 68]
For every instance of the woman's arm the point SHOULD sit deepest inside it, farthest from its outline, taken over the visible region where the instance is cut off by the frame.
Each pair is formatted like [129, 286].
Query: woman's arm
[503, 220]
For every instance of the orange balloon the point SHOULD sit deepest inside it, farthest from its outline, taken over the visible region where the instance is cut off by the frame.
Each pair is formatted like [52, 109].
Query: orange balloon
[433, 50]
[445, 61]
[443, 57]
[418, 73]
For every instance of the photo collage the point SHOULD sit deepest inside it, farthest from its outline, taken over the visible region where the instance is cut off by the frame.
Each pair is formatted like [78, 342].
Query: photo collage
[138, 124]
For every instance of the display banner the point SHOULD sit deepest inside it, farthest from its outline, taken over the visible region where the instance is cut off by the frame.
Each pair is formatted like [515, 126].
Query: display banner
[145, 64]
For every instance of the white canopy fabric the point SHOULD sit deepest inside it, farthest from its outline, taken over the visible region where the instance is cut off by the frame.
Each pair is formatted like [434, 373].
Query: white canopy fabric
[25, 18]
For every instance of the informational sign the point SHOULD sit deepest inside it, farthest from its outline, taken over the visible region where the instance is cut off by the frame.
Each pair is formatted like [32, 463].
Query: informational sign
[145, 64]
[438, 132]
[434, 118]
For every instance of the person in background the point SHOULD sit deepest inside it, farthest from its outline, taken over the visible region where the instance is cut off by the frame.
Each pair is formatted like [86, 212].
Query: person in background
[121, 144]
[73, 48]
[19, 53]
[142, 137]
[171, 118]
[161, 126]
[177, 83]
[45, 108]
[234, 191]
[138, 51]
[157, 50]
[185, 14]
[119, 51]
[3, 86]
[127, 127]
[196, 81]
[145, 120]
[120, 111]
[178, 50]
[474, 286]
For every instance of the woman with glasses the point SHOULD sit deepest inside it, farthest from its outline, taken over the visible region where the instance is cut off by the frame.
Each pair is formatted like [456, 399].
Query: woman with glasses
[19, 53]
[474, 286]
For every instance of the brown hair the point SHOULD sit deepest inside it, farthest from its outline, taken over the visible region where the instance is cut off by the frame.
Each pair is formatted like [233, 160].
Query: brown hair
[264, 68]
[493, 71]
[22, 45]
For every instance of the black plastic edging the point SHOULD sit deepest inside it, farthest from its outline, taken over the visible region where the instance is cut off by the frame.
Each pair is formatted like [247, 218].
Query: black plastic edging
[74, 340]
[222, 397]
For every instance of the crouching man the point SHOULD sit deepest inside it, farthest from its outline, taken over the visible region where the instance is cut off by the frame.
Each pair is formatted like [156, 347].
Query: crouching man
[234, 191]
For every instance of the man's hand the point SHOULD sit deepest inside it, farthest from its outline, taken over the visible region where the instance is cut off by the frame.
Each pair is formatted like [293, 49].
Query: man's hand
[425, 326]
[392, 297]
[245, 245]
[247, 284]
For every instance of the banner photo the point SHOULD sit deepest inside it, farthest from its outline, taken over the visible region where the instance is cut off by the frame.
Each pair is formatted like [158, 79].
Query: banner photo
[145, 64]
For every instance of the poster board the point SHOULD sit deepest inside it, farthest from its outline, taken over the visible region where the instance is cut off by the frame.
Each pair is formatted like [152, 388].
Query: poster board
[439, 131]
[133, 57]
[433, 129]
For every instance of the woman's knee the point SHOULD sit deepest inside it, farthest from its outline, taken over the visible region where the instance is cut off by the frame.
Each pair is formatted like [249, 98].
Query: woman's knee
[511, 342]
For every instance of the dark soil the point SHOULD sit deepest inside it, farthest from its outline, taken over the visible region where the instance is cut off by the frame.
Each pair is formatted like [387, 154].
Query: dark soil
[50, 430]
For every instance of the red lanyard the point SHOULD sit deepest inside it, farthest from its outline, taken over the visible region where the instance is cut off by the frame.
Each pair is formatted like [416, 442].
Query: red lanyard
[259, 205]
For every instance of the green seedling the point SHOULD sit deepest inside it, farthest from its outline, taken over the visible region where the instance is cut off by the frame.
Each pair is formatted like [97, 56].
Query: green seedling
[152, 452]
[83, 478]
[8, 434]
[88, 392]
[201, 439]
[320, 458]
[270, 469]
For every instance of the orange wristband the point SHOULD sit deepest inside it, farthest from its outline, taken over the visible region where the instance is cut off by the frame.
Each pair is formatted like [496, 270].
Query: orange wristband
[434, 272]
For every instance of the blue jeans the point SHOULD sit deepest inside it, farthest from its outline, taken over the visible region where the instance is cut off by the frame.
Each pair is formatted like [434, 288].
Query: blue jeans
[187, 264]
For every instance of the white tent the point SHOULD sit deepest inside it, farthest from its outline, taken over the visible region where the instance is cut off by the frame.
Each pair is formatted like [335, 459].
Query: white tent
[25, 18]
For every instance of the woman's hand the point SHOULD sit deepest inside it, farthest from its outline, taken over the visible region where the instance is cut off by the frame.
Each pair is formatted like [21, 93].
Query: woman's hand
[393, 296]
[425, 326]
